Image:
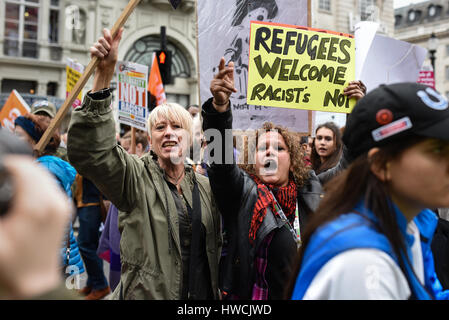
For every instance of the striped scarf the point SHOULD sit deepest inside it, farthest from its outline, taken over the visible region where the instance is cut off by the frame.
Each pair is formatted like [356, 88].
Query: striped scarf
[285, 196]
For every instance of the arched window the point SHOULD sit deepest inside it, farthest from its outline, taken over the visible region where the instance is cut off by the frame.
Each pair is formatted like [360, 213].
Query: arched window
[142, 52]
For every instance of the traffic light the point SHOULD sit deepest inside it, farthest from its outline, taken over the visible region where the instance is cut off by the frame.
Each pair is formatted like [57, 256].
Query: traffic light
[164, 60]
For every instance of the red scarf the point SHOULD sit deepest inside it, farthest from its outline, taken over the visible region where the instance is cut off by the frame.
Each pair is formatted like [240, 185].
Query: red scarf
[285, 196]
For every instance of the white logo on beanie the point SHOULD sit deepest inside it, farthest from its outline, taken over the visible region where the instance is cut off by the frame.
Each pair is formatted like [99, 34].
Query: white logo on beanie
[441, 104]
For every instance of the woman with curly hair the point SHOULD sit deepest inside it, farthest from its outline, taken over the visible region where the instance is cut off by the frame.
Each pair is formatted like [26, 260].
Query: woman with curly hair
[265, 202]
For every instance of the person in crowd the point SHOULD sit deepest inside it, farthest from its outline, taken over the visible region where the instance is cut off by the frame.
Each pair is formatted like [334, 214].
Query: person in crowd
[327, 147]
[265, 202]
[193, 109]
[141, 142]
[306, 146]
[370, 237]
[30, 128]
[196, 156]
[440, 247]
[30, 264]
[259, 201]
[328, 156]
[43, 108]
[91, 212]
[170, 226]
[109, 244]
[48, 109]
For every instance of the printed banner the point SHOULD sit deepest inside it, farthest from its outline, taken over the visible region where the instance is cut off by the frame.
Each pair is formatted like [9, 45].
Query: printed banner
[155, 85]
[223, 31]
[14, 107]
[132, 83]
[300, 68]
[74, 71]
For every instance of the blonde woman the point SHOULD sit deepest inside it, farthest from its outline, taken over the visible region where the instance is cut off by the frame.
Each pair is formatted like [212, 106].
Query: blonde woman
[170, 227]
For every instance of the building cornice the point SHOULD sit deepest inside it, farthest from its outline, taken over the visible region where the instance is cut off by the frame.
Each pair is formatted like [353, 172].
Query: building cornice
[32, 63]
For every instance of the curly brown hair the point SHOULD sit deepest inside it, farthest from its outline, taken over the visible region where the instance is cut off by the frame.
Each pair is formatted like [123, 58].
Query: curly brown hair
[298, 169]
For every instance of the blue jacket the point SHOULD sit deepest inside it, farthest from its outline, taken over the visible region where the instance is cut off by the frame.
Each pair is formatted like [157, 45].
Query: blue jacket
[65, 175]
[353, 231]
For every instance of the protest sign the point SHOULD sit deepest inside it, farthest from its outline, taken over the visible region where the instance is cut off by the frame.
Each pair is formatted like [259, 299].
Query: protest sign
[132, 81]
[300, 68]
[223, 31]
[155, 85]
[14, 107]
[74, 71]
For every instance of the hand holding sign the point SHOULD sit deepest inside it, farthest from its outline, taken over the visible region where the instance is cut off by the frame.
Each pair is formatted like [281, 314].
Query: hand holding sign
[106, 49]
[222, 86]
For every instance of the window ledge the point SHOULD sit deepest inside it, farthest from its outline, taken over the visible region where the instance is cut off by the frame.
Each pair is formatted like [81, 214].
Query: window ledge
[325, 11]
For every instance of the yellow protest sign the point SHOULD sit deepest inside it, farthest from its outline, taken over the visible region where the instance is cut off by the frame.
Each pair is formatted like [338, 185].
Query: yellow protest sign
[300, 68]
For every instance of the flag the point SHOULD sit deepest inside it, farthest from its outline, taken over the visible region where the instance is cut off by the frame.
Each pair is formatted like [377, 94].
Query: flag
[155, 86]
[175, 3]
[14, 107]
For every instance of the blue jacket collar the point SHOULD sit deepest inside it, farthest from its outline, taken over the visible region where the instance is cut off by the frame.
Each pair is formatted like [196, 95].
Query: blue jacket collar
[426, 221]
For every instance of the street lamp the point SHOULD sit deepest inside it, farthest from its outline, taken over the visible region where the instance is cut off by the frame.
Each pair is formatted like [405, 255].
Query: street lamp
[432, 44]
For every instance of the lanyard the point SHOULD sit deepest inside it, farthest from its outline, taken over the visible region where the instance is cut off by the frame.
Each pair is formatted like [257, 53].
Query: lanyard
[295, 230]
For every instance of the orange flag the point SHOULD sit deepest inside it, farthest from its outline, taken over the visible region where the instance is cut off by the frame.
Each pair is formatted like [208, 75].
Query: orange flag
[155, 86]
[14, 107]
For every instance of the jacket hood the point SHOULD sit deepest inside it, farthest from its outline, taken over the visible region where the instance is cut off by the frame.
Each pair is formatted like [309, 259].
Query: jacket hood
[61, 169]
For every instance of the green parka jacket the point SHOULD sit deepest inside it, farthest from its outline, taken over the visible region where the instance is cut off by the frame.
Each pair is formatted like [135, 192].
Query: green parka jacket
[148, 219]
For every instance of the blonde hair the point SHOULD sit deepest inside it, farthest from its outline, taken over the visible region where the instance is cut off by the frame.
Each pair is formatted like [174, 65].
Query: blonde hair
[171, 112]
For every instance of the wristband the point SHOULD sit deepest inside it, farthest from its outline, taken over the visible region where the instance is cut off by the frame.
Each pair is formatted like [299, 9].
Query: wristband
[219, 105]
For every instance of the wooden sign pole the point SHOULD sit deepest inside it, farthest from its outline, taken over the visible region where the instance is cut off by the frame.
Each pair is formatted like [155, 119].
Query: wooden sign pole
[309, 24]
[56, 122]
[133, 140]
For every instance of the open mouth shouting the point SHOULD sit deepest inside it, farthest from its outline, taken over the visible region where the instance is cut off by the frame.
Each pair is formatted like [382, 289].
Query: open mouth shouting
[170, 144]
[270, 166]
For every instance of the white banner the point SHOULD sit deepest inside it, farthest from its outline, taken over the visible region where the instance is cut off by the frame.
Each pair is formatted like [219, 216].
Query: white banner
[132, 80]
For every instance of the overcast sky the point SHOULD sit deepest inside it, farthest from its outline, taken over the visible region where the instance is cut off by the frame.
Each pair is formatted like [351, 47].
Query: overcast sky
[402, 3]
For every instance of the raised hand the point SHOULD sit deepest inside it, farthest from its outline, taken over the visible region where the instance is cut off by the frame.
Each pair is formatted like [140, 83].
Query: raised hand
[222, 86]
[355, 89]
[106, 49]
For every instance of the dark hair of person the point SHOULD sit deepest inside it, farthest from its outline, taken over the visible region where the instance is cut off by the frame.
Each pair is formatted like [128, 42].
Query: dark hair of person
[140, 136]
[304, 140]
[41, 123]
[334, 158]
[297, 168]
[358, 182]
